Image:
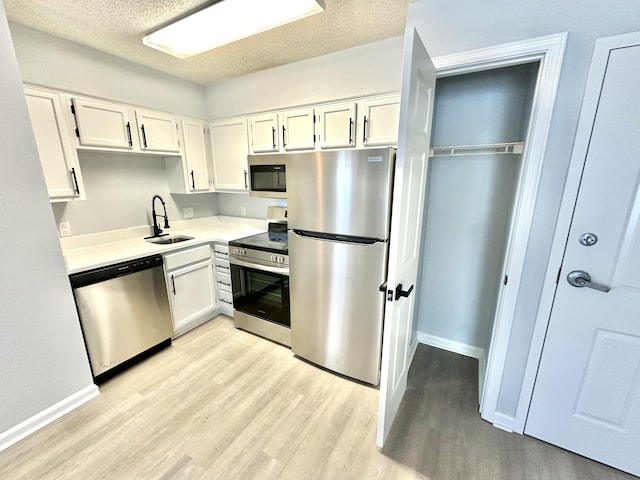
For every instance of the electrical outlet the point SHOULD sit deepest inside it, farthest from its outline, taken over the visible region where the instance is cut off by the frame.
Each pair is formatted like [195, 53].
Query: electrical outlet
[187, 212]
[65, 229]
[243, 211]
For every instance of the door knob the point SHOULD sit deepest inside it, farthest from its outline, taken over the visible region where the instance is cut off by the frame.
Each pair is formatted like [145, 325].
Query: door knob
[580, 279]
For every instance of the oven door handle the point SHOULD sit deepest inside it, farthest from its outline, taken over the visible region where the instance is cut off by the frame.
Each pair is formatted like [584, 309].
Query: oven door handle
[259, 266]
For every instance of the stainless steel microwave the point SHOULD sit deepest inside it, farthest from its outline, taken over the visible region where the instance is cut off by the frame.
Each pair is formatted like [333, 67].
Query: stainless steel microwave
[267, 176]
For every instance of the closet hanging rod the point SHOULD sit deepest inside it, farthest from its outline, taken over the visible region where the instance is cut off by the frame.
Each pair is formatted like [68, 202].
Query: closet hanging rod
[490, 149]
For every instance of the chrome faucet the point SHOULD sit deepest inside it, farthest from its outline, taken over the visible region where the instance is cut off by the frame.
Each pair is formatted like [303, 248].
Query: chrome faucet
[157, 231]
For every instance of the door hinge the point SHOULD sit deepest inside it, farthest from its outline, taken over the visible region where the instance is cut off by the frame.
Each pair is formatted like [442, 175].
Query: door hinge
[506, 279]
[77, 133]
[73, 110]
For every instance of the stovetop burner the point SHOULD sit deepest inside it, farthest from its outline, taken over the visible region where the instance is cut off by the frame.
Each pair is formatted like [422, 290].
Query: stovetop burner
[267, 242]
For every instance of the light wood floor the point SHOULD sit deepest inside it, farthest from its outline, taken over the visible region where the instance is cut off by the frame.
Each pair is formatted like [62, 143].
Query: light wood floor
[221, 403]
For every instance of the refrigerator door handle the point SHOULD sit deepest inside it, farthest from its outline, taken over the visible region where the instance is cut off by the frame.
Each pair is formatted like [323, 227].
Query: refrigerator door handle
[403, 293]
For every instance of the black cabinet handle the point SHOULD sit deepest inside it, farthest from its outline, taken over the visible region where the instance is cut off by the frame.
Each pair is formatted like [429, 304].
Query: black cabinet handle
[364, 130]
[273, 136]
[245, 180]
[144, 135]
[224, 283]
[226, 301]
[193, 181]
[403, 293]
[350, 131]
[223, 267]
[129, 134]
[173, 283]
[284, 143]
[75, 181]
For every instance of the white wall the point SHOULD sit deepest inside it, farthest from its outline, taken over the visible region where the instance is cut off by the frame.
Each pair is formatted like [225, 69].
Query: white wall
[119, 188]
[54, 62]
[42, 354]
[231, 204]
[450, 26]
[368, 69]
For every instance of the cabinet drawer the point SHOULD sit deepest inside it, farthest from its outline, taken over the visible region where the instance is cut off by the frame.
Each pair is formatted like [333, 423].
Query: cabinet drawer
[222, 250]
[226, 298]
[222, 267]
[185, 257]
[224, 281]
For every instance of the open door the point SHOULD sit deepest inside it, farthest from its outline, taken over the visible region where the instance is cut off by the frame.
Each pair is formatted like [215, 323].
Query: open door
[416, 108]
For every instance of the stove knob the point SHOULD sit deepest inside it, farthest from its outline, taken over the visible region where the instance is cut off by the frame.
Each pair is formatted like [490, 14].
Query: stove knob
[243, 252]
[273, 258]
[281, 259]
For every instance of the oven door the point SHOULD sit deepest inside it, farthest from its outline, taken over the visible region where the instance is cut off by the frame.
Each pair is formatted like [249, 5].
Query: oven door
[261, 291]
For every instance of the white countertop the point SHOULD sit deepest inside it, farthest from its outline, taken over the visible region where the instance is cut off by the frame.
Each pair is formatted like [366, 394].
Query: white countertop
[84, 252]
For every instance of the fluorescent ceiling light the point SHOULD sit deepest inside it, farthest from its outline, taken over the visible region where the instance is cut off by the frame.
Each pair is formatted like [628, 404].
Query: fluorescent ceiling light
[227, 21]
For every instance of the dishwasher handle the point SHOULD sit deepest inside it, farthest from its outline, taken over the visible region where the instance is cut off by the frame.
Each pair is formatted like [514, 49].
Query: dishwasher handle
[116, 270]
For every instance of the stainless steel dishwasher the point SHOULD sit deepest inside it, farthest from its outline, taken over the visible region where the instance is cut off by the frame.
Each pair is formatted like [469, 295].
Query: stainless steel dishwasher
[124, 313]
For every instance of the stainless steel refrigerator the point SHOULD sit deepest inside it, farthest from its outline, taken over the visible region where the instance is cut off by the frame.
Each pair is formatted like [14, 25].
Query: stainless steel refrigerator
[339, 205]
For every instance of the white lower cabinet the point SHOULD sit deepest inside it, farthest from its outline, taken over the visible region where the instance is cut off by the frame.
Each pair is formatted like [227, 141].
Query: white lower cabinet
[223, 277]
[191, 284]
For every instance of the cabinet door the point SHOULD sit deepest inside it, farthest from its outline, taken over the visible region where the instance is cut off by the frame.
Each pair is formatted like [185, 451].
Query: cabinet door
[229, 152]
[103, 124]
[297, 129]
[195, 155]
[192, 293]
[264, 133]
[336, 124]
[157, 131]
[378, 121]
[58, 158]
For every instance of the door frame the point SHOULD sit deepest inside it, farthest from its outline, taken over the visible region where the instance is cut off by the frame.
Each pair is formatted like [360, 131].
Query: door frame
[577, 163]
[549, 52]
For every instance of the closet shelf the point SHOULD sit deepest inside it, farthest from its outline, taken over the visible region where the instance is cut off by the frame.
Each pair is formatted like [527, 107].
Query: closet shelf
[491, 149]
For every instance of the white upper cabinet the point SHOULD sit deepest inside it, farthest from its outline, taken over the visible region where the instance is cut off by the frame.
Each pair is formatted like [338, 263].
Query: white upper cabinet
[264, 133]
[378, 120]
[58, 157]
[195, 155]
[297, 129]
[103, 124]
[229, 152]
[158, 132]
[337, 125]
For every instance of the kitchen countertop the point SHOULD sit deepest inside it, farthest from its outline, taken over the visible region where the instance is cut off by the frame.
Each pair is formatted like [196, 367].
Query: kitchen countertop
[85, 252]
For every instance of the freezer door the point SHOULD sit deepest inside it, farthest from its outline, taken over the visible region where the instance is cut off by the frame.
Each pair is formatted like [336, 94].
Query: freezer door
[344, 192]
[336, 306]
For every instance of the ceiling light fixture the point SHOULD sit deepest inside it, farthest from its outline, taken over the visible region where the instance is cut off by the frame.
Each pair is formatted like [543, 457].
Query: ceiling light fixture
[227, 21]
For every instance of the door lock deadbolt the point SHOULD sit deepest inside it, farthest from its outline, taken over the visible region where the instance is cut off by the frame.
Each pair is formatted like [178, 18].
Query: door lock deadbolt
[588, 239]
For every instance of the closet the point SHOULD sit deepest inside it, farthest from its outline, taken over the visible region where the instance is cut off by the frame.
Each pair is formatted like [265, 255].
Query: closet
[479, 134]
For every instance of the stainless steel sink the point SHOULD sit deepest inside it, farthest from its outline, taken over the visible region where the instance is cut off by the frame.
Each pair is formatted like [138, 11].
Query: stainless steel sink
[169, 240]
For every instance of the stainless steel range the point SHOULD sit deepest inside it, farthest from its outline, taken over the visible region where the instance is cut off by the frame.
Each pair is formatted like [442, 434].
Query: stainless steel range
[260, 280]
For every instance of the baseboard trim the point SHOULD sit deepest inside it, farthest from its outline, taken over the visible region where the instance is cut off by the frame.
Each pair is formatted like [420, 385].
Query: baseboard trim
[45, 417]
[503, 422]
[451, 345]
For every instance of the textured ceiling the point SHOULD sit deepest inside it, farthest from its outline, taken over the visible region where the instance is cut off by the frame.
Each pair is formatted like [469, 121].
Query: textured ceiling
[117, 27]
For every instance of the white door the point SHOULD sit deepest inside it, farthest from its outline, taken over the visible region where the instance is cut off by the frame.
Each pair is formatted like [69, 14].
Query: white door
[337, 125]
[157, 131]
[264, 133]
[378, 121]
[229, 154]
[297, 129]
[103, 124]
[416, 107]
[587, 392]
[58, 158]
[195, 154]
